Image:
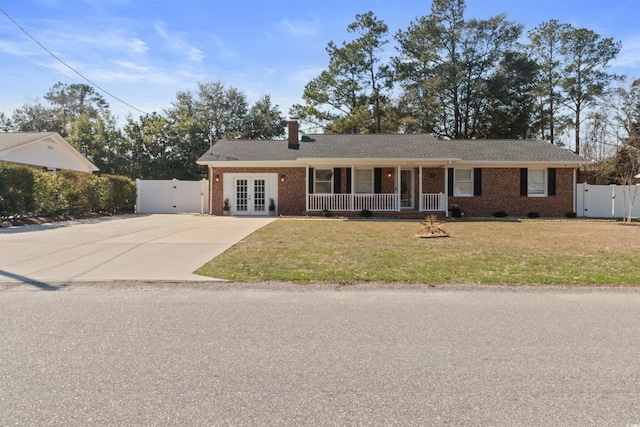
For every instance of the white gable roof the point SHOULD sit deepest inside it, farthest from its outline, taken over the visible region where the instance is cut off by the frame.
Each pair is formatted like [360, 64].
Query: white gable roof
[44, 149]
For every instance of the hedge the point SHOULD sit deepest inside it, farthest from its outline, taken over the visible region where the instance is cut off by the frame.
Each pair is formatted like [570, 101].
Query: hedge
[25, 191]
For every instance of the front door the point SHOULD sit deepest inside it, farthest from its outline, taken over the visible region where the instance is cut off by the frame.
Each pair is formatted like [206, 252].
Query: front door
[406, 189]
[250, 196]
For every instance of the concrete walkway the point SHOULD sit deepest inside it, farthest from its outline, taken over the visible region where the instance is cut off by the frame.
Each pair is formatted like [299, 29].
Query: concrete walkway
[134, 247]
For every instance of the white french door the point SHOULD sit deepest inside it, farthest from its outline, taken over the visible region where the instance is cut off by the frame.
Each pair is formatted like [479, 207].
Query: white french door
[250, 196]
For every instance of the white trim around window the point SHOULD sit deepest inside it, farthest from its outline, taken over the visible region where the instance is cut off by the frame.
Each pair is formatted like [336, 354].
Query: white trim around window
[462, 182]
[364, 181]
[537, 182]
[323, 181]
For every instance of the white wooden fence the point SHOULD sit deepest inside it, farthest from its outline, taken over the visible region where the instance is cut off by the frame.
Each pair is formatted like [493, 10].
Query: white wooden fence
[172, 196]
[606, 201]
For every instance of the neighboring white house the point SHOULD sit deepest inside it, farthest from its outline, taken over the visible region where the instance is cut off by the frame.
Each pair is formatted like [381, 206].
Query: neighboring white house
[47, 150]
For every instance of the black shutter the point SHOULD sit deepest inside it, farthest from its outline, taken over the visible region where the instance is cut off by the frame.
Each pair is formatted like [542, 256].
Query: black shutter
[551, 181]
[310, 180]
[524, 185]
[337, 180]
[477, 181]
[450, 182]
[377, 180]
[349, 180]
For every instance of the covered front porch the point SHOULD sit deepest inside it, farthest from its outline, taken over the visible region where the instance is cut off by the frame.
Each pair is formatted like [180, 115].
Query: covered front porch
[400, 188]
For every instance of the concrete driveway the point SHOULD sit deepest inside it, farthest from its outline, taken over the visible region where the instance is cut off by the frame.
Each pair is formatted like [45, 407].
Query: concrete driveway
[134, 247]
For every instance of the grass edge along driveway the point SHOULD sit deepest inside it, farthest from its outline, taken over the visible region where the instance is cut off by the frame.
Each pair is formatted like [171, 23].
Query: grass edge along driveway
[537, 252]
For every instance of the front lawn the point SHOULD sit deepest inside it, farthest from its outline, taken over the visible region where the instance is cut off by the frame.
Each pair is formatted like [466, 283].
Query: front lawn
[543, 252]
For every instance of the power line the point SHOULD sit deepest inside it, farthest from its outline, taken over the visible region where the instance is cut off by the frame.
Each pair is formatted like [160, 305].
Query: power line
[69, 66]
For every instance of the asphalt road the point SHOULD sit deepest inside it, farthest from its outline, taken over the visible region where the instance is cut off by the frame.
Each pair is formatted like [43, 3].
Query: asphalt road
[225, 354]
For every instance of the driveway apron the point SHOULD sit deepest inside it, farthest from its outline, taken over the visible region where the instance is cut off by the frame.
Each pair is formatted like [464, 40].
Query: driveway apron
[133, 247]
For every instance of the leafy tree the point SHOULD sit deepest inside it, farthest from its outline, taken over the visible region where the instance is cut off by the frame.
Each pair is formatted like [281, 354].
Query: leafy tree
[587, 55]
[35, 117]
[546, 43]
[151, 147]
[220, 109]
[73, 100]
[264, 121]
[511, 100]
[445, 62]
[5, 123]
[348, 96]
[99, 141]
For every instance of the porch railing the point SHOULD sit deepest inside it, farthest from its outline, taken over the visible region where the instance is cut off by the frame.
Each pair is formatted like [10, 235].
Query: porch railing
[372, 202]
[434, 202]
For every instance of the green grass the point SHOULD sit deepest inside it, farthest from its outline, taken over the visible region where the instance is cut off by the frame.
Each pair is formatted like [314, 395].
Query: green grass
[568, 253]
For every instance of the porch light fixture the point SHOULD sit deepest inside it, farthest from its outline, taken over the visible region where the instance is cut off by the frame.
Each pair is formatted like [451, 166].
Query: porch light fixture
[389, 174]
[217, 178]
[282, 178]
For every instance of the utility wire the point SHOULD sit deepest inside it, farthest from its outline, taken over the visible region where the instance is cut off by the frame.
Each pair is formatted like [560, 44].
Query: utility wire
[69, 66]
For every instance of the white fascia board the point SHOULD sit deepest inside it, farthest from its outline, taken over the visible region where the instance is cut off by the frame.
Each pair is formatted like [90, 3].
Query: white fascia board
[250, 164]
[498, 164]
[376, 162]
[73, 160]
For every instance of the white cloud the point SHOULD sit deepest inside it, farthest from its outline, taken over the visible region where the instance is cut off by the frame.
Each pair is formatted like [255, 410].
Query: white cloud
[299, 28]
[629, 56]
[176, 42]
[304, 75]
[224, 50]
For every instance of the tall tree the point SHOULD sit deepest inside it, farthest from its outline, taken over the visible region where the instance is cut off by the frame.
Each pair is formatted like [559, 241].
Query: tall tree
[546, 43]
[448, 60]
[348, 96]
[587, 55]
[511, 100]
[151, 147]
[35, 117]
[73, 100]
[221, 109]
[264, 121]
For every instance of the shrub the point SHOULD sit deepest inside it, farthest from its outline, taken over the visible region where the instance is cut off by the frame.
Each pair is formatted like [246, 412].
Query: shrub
[571, 215]
[47, 196]
[500, 214]
[26, 191]
[16, 189]
[533, 215]
[123, 192]
[100, 194]
[326, 213]
[74, 190]
[365, 213]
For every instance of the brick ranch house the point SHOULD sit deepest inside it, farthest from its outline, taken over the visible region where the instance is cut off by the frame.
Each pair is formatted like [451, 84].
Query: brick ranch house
[401, 176]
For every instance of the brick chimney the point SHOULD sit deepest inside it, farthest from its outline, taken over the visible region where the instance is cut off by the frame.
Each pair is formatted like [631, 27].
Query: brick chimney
[294, 140]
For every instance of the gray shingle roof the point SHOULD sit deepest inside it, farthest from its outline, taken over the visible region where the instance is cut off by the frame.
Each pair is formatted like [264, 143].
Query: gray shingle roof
[15, 139]
[389, 147]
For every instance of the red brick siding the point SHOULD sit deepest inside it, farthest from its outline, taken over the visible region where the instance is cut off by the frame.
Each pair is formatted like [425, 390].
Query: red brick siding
[291, 191]
[500, 191]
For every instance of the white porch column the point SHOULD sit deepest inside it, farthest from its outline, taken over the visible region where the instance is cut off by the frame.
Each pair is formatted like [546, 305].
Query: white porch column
[398, 189]
[446, 191]
[353, 188]
[420, 207]
[306, 188]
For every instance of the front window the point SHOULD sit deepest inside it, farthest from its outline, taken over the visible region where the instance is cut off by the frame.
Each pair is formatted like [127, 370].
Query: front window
[463, 182]
[364, 181]
[323, 181]
[537, 183]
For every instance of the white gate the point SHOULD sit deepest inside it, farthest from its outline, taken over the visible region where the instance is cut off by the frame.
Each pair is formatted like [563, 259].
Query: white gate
[605, 201]
[172, 196]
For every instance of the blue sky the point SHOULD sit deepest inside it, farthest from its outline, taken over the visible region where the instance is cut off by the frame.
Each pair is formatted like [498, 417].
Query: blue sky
[145, 51]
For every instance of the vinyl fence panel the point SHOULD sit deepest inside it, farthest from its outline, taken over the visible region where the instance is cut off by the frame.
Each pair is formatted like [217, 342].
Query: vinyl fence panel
[606, 201]
[172, 196]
